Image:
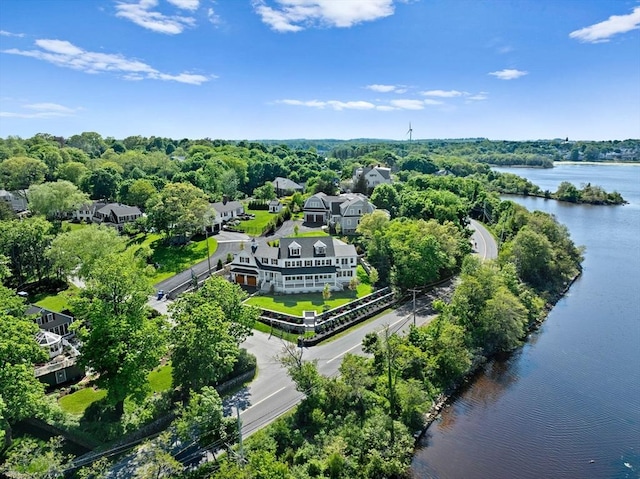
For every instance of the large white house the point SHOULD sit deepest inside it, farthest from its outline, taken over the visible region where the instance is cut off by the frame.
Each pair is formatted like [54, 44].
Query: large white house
[373, 176]
[296, 265]
[344, 211]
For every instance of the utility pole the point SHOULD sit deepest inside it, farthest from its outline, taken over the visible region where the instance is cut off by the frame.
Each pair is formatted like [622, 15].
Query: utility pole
[241, 451]
[386, 338]
[206, 235]
[414, 291]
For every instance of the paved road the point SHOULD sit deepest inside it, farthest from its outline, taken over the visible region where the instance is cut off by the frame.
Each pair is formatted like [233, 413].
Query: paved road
[273, 393]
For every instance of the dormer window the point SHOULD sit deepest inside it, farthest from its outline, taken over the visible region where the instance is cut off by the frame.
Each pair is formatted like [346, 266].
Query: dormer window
[320, 248]
[294, 249]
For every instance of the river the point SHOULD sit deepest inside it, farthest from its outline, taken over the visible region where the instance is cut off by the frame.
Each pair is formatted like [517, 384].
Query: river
[567, 404]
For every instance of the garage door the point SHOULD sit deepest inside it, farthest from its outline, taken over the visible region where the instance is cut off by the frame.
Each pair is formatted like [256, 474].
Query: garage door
[251, 280]
[240, 278]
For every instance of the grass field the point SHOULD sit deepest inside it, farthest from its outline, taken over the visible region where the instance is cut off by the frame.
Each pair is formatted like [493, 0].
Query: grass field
[76, 403]
[309, 234]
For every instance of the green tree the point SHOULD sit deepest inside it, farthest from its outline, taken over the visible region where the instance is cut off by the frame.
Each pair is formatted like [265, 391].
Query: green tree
[386, 197]
[265, 192]
[203, 418]
[57, 198]
[533, 255]
[77, 251]
[19, 173]
[119, 339]
[32, 458]
[21, 394]
[72, 171]
[139, 193]
[178, 210]
[154, 459]
[101, 184]
[25, 242]
[567, 192]
[503, 322]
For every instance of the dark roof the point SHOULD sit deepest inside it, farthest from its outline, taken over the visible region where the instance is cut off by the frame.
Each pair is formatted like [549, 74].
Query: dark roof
[303, 270]
[221, 207]
[307, 249]
[119, 209]
[286, 184]
[244, 271]
[35, 309]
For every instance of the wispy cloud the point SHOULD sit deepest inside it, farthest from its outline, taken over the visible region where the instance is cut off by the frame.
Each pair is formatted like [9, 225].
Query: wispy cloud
[64, 54]
[397, 104]
[41, 110]
[142, 13]
[615, 24]
[213, 17]
[443, 93]
[296, 15]
[381, 88]
[185, 4]
[508, 74]
[483, 95]
[4, 33]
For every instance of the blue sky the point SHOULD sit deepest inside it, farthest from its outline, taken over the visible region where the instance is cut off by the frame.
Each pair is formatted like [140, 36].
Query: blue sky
[280, 69]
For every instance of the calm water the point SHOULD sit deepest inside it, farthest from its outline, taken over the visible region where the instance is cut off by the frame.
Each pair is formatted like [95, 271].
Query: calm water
[567, 405]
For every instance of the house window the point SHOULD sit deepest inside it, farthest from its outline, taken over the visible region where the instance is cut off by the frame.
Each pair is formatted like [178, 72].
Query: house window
[274, 261]
[294, 249]
[298, 264]
[265, 260]
[244, 260]
[319, 247]
[308, 262]
[49, 317]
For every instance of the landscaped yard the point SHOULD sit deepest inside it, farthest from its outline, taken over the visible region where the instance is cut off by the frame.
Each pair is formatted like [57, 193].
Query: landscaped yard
[77, 402]
[309, 234]
[256, 226]
[56, 302]
[295, 304]
[174, 259]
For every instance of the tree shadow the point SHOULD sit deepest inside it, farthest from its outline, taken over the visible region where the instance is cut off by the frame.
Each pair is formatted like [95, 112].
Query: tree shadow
[240, 399]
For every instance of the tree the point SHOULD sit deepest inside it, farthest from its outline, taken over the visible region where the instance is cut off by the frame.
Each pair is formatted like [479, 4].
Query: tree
[265, 192]
[73, 172]
[503, 322]
[203, 418]
[179, 209]
[19, 173]
[119, 339]
[203, 349]
[49, 155]
[101, 184]
[326, 292]
[154, 461]
[58, 198]
[386, 197]
[567, 192]
[21, 394]
[210, 325]
[139, 193]
[32, 458]
[25, 242]
[76, 251]
[532, 253]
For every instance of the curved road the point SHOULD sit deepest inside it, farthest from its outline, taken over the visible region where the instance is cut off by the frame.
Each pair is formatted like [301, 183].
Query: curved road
[272, 393]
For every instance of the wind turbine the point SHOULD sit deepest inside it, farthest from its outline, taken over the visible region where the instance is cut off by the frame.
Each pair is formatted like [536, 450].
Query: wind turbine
[410, 132]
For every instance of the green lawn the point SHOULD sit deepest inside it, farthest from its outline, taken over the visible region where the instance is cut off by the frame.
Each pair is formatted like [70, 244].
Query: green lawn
[256, 225]
[56, 302]
[309, 234]
[174, 259]
[295, 304]
[69, 226]
[77, 402]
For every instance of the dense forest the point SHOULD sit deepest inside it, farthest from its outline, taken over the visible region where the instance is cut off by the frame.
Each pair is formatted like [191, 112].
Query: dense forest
[359, 424]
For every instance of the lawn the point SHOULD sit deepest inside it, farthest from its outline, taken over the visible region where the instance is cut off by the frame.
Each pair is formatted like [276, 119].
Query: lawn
[56, 301]
[309, 234]
[295, 304]
[174, 259]
[77, 402]
[256, 226]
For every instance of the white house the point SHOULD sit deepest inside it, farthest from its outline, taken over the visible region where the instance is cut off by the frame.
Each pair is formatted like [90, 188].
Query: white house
[344, 211]
[224, 211]
[275, 206]
[374, 176]
[296, 265]
[15, 199]
[116, 214]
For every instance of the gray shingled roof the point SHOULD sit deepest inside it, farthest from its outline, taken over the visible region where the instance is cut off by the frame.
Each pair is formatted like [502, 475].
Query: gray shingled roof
[229, 206]
[119, 210]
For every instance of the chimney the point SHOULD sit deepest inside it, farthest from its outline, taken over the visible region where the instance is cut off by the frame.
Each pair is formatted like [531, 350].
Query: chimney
[225, 198]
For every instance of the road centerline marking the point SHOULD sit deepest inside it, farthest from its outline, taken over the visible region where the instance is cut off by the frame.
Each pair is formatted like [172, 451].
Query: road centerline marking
[264, 399]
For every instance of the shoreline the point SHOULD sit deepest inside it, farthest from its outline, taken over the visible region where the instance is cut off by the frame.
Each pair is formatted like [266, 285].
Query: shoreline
[444, 399]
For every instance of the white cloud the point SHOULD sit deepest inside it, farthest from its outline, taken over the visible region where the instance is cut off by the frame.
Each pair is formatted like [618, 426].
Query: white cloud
[483, 95]
[381, 88]
[41, 110]
[213, 17]
[601, 32]
[65, 54]
[4, 33]
[185, 4]
[335, 104]
[443, 93]
[430, 101]
[408, 104]
[508, 74]
[296, 15]
[141, 14]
